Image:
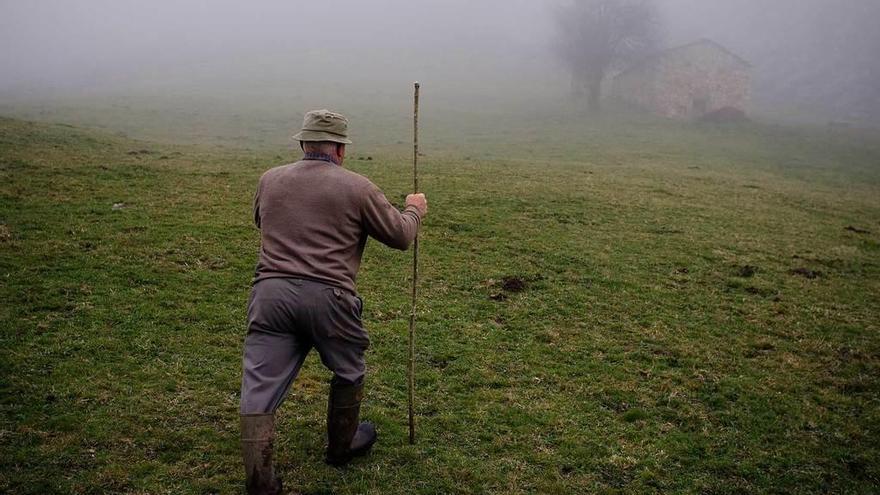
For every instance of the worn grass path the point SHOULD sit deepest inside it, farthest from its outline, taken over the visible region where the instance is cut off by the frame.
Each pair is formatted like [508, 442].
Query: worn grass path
[648, 310]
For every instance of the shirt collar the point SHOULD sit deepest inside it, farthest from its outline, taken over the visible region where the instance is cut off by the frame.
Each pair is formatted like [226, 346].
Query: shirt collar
[320, 156]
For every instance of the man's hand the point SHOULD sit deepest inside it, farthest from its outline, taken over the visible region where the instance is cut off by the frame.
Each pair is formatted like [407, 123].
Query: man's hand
[419, 201]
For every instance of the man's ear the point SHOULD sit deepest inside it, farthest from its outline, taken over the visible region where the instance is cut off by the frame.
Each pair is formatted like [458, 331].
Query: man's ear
[340, 150]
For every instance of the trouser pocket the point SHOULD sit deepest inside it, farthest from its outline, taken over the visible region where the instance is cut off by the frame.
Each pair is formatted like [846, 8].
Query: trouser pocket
[347, 301]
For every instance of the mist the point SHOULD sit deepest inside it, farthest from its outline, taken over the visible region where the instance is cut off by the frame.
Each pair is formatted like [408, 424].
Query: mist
[816, 57]
[106, 42]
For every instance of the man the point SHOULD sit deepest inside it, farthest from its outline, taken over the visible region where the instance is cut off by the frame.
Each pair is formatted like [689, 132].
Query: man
[314, 218]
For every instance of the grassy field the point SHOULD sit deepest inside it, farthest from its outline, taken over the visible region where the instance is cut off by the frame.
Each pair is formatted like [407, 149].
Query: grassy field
[607, 307]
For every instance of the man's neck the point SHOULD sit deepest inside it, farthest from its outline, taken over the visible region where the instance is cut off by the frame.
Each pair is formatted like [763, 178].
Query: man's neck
[311, 155]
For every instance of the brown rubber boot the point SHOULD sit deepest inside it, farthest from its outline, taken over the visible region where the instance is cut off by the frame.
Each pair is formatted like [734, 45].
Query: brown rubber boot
[257, 435]
[346, 437]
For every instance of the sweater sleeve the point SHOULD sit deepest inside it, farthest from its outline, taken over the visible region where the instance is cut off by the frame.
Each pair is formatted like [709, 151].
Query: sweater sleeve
[385, 223]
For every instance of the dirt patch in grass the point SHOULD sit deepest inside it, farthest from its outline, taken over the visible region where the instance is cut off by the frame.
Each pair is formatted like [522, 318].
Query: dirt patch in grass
[441, 361]
[760, 291]
[513, 284]
[806, 273]
[746, 271]
[507, 285]
[759, 348]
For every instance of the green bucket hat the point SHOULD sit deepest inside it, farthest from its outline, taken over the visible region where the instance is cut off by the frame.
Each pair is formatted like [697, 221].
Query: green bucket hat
[324, 125]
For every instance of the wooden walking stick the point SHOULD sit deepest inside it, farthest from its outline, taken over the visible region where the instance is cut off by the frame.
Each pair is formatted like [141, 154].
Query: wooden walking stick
[410, 369]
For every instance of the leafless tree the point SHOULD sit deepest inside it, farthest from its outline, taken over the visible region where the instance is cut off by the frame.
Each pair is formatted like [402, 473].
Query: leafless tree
[597, 36]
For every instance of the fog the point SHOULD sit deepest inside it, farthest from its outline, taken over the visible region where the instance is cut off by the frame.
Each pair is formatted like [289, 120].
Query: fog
[818, 57]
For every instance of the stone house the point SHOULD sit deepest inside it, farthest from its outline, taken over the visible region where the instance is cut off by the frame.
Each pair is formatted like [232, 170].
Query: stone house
[687, 82]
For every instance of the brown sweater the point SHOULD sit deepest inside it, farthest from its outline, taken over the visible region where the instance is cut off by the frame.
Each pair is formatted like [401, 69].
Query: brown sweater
[314, 218]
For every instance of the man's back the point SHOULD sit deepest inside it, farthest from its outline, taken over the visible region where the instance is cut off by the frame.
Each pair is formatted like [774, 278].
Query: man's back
[315, 217]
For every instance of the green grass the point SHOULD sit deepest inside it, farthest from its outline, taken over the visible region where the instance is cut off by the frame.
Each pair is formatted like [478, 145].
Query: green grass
[663, 342]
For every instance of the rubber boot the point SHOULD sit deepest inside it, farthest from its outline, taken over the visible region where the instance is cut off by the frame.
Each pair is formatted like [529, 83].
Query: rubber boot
[257, 435]
[346, 437]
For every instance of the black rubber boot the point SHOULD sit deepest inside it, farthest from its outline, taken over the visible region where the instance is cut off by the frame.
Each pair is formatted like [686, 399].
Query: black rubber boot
[346, 437]
[257, 435]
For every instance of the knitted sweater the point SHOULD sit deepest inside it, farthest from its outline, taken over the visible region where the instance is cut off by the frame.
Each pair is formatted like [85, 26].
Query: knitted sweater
[314, 218]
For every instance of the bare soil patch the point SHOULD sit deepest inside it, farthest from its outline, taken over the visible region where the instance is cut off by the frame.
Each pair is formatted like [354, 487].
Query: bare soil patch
[806, 273]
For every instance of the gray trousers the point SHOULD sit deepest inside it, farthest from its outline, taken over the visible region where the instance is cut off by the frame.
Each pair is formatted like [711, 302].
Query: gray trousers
[286, 318]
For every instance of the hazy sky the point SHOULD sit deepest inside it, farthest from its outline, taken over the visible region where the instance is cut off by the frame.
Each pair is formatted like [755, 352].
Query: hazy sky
[50, 41]
[820, 49]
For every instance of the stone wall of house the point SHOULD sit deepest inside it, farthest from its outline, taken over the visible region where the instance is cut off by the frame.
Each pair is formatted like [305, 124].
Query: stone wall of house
[687, 82]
